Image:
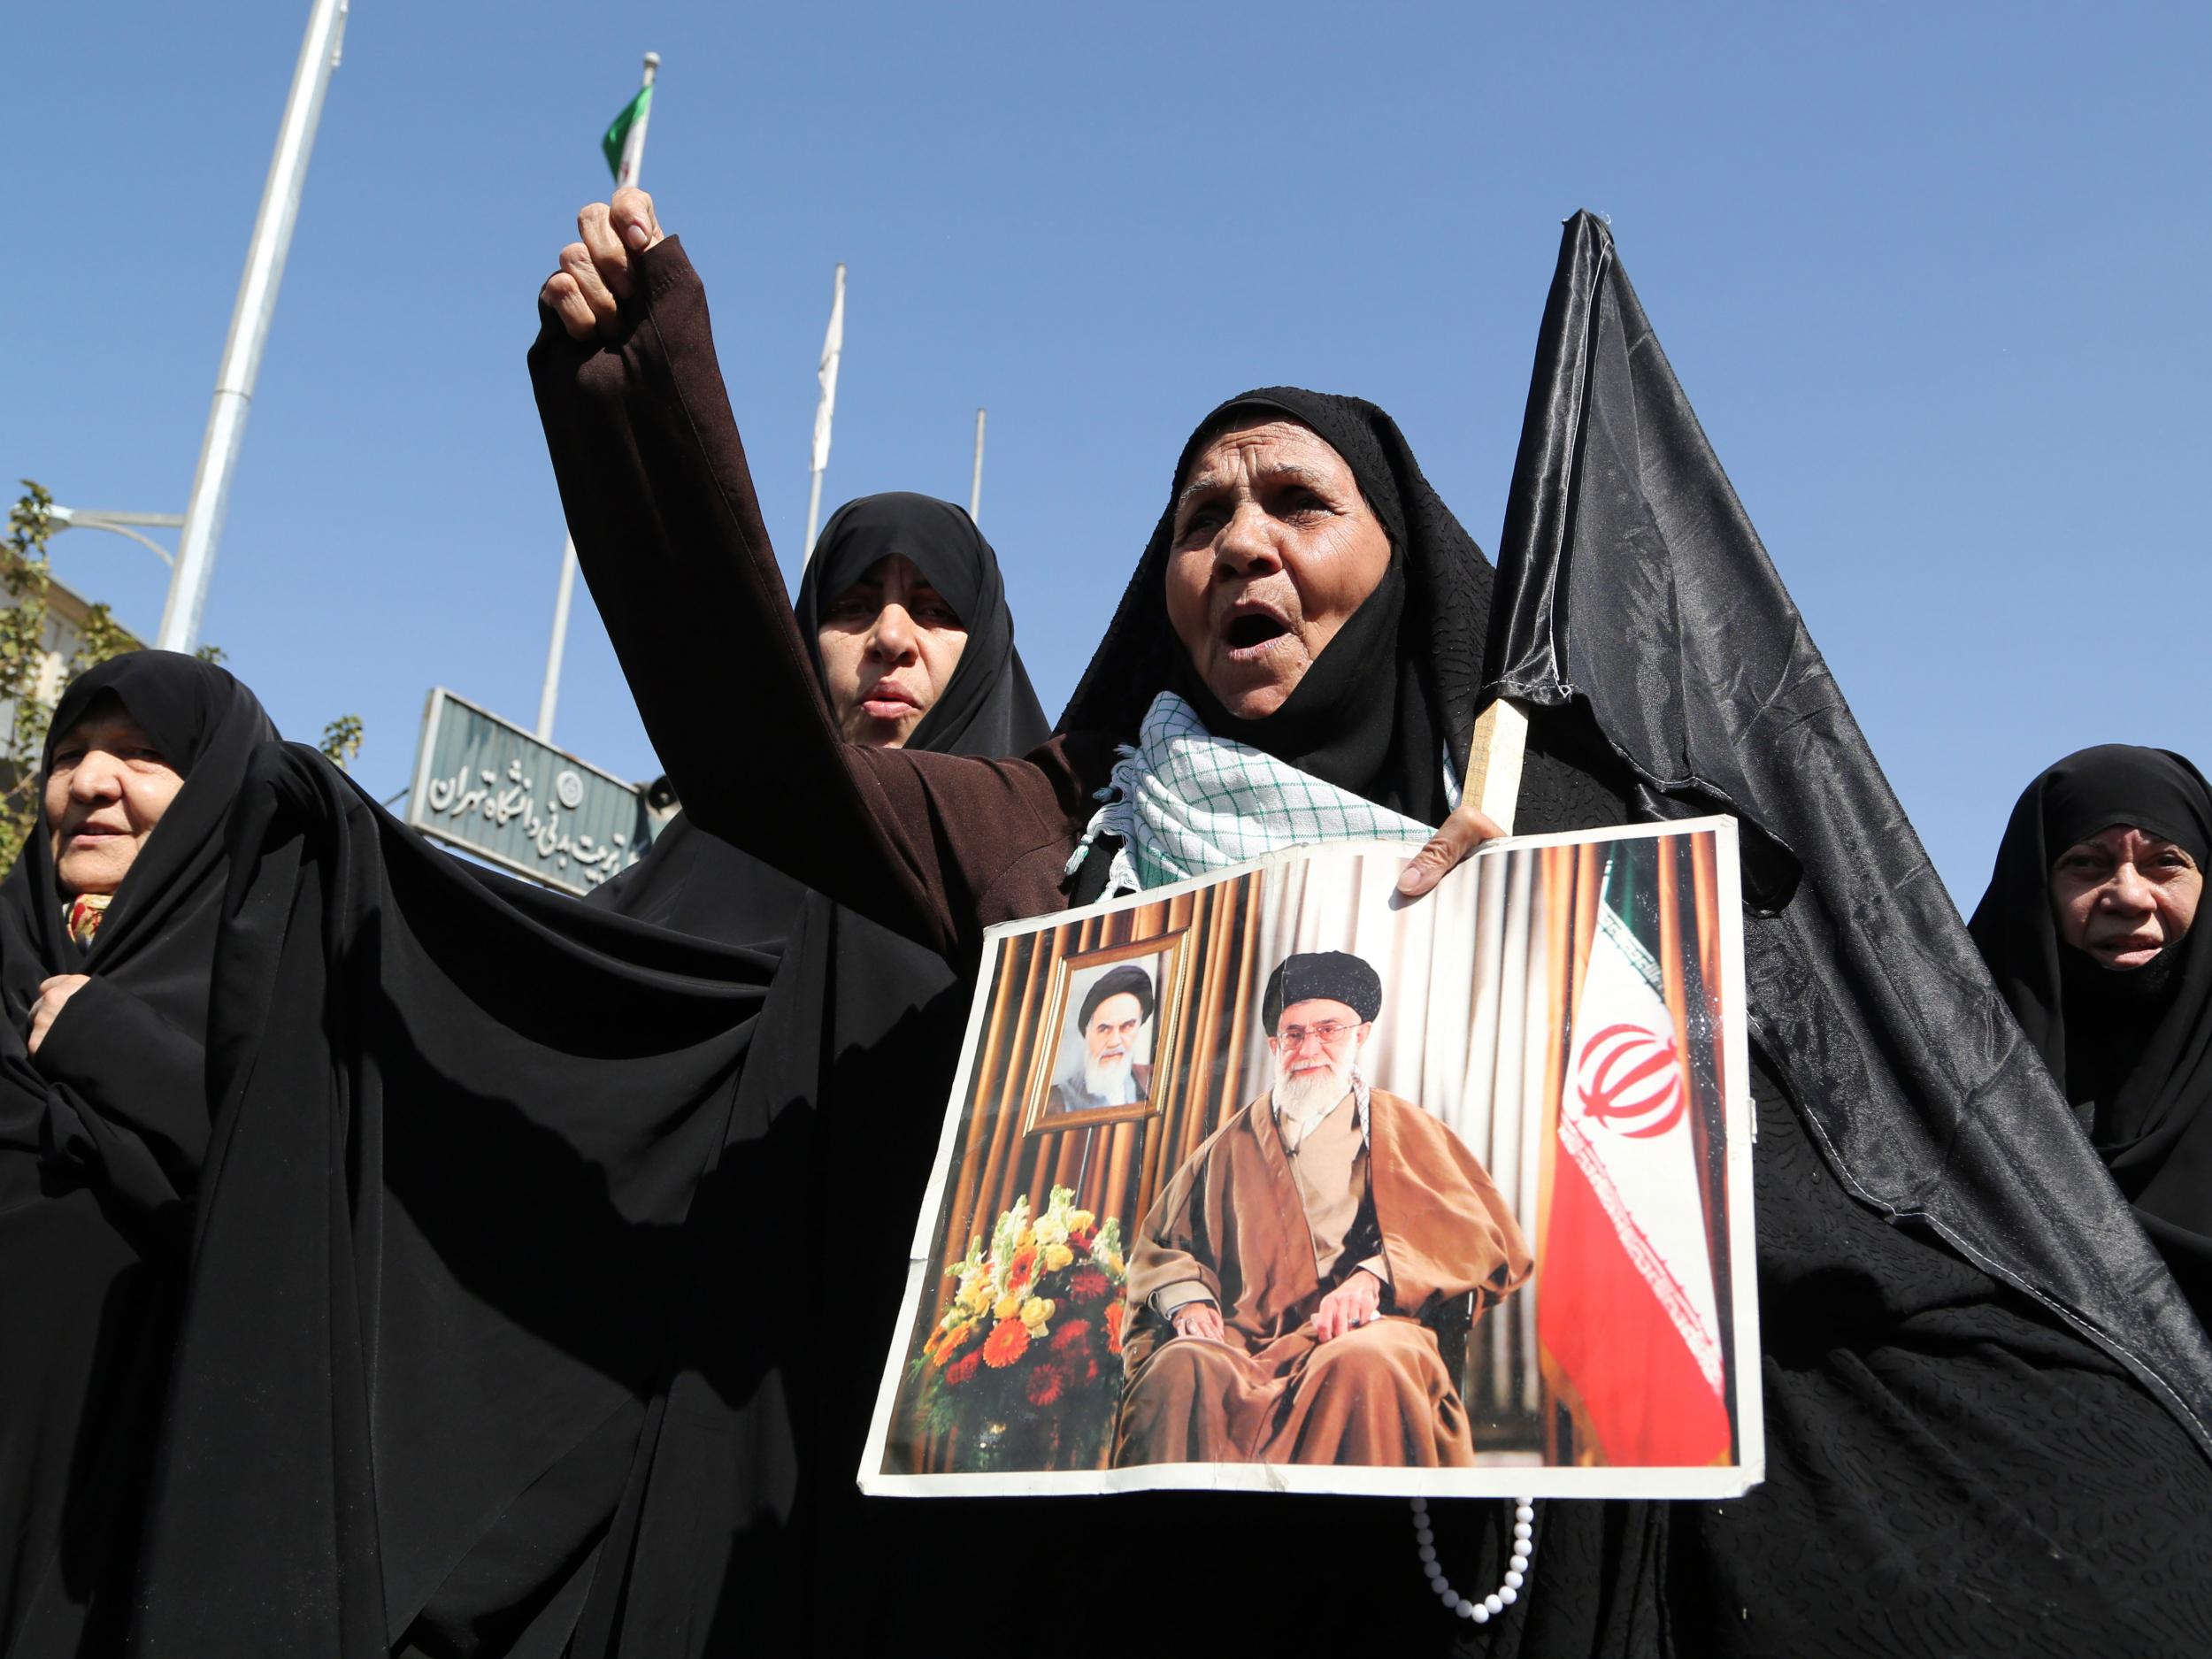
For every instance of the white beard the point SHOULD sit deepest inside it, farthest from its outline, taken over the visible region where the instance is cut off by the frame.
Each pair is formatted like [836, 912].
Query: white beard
[1107, 1080]
[1312, 1091]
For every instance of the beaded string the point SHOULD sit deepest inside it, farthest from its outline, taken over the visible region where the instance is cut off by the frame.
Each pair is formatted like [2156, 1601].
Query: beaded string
[1479, 1608]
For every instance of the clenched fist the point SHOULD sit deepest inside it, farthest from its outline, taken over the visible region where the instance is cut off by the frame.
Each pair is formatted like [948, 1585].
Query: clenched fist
[595, 273]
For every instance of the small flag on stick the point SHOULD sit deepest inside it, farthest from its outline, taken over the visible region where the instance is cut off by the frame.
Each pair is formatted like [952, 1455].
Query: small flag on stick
[624, 145]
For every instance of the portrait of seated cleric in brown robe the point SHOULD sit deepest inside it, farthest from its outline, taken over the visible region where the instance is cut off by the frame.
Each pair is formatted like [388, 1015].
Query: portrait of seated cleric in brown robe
[1107, 1033]
[1286, 1289]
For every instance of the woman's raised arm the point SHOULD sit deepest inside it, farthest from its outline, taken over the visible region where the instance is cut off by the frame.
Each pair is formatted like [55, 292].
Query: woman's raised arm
[668, 531]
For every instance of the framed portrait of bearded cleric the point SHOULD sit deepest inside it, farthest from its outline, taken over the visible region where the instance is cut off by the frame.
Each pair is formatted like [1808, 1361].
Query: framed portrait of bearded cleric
[1106, 1013]
[1447, 1197]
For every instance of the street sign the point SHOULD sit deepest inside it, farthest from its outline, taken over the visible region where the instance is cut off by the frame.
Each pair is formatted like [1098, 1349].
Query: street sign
[489, 787]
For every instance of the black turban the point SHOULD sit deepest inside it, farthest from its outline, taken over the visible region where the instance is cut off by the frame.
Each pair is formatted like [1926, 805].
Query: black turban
[1336, 975]
[1130, 981]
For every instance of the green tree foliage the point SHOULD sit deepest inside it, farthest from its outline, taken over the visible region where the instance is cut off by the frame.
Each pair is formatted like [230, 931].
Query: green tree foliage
[342, 740]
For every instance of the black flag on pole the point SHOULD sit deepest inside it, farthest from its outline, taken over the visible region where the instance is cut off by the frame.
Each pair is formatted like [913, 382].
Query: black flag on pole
[1629, 577]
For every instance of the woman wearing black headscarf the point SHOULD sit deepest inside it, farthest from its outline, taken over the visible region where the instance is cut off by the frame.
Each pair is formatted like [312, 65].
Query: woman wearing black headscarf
[2087, 927]
[1951, 1470]
[107, 936]
[857, 1042]
[1343, 657]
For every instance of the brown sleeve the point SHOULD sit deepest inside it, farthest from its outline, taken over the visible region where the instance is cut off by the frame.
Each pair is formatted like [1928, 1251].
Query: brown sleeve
[1447, 1229]
[668, 535]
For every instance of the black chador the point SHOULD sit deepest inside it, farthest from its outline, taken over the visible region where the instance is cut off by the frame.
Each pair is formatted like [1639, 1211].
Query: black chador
[2133, 1050]
[736, 1522]
[101, 1135]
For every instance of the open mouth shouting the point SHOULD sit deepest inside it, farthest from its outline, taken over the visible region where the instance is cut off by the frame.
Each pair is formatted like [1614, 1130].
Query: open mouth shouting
[1252, 628]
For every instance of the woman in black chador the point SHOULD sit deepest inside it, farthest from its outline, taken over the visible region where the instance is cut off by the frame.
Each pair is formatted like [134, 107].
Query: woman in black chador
[107, 938]
[1979, 1437]
[903, 604]
[2087, 930]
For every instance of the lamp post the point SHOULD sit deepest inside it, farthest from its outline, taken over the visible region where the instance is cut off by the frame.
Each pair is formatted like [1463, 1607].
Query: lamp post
[120, 524]
[249, 320]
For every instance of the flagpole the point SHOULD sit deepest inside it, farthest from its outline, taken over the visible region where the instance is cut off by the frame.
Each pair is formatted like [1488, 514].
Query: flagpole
[975, 484]
[825, 411]
[549, 693]
[249, 320]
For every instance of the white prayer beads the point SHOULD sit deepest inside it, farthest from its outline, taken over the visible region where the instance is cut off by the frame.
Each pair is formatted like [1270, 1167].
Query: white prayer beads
[1479, 1609]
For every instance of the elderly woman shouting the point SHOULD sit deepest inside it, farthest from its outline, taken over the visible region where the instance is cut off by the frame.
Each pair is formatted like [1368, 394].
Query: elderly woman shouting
[1306, 594]
[107, 936]
[2088, 928]
[1296, 657]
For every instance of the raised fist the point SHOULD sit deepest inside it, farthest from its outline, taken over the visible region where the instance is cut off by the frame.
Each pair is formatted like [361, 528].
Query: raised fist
[595, 273]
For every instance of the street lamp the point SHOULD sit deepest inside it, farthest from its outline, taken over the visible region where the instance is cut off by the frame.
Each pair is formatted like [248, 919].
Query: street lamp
[119, 523]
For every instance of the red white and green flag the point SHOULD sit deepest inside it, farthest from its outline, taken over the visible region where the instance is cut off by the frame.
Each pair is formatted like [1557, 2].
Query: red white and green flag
[624, 144]
[1628, 1310]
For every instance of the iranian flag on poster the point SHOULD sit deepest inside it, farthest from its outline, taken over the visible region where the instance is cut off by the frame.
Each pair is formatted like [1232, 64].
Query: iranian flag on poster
[1627, 1309]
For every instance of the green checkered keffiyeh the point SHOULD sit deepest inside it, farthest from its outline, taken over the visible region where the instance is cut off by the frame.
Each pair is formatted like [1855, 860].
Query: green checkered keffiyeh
[1185, 801]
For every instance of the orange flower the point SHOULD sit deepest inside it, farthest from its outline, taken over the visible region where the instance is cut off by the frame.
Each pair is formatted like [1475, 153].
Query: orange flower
[965, 1370]
[949, 1343]
[1115, 1313]
[1024, 1267]
[1006, 1344]
[1074, 1335]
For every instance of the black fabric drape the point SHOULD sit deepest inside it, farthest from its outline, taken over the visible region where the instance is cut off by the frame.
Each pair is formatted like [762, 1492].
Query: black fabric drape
[2133, 1050]
[459, 1124]
[1392, 694]
[101, 1134]
[743, 1520]
[1952, 1467]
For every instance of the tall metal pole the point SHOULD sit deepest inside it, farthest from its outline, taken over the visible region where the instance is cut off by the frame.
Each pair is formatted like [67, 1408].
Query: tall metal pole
[975, 484]
[549, 693]
[249, 321]
[825, 411]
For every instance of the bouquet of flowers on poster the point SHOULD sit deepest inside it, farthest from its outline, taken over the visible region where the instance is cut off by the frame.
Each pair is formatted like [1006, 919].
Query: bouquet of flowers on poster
[1274, 1180]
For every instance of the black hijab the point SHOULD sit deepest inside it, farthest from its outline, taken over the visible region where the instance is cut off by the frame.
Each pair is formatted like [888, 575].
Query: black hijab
[742, 1514]
[2132, 1048]
[101, 1134]
[1392, 696]
[698, 885]
[989, 708]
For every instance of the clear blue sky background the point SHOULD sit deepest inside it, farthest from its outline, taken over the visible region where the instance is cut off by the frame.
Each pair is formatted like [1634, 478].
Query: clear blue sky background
[1929, 273]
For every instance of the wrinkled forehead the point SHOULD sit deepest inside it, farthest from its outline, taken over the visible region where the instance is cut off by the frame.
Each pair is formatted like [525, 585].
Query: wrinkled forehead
[1221, 446]
[2123, 839]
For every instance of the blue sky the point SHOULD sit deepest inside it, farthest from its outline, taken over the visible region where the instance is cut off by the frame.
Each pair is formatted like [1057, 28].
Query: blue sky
[1928, 274]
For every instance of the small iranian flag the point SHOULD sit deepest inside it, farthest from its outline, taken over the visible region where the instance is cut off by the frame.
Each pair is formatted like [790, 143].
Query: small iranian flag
[624, 145]
[1628, 1312]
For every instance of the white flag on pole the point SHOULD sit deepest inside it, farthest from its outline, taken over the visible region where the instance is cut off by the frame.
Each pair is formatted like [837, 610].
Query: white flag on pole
[832, 348]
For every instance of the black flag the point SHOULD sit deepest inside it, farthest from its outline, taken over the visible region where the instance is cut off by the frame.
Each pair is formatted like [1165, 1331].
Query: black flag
[1629, 578]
